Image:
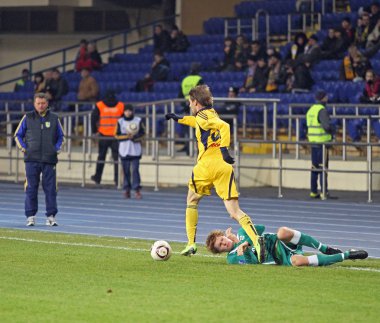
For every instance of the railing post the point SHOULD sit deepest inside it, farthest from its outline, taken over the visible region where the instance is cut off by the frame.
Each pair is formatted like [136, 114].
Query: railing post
[280, 170]
[156, 158]
[274, 128]
[238, 26]
[171, 143]
[84, 139]
[297, 138]
[225, 28]
[154, 130]
[89, 135]
[64, 61]
[244, 120]
[324, 173]
[69, 134]
[9, 137]
[265, 119]
[344, 150]
[237, 169]
[110, 47]
[17, 166]
[369, 160]
[147, 129]
[289, 28]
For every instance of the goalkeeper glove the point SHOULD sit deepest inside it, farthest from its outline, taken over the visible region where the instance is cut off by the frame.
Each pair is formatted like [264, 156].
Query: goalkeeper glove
[226, 155]
[173, 116]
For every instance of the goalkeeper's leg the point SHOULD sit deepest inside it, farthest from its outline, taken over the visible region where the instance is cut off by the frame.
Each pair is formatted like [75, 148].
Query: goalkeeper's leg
[295, 237]
[245, 222]
[191, 222]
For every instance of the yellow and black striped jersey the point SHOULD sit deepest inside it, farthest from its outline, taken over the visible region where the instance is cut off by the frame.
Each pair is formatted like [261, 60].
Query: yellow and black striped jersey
[211, 132]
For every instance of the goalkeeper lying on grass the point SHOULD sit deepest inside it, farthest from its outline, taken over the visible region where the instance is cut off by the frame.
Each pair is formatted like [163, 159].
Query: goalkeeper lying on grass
[283, 248]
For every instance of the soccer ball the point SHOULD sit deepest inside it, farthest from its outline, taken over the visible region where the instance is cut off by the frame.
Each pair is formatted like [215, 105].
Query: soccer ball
[132, 128]
[161, 250]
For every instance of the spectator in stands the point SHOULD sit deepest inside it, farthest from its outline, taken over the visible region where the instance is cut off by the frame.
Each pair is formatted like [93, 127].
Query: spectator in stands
[354, 65]
[241, 56]
[371, 93]
[228, 63]
[95, 60]
[161, 39]
[39, 83]
[362, 31]
[88, 89]
[22, 83]
[104, 119]
[298, 77]
[230, 107]
[319, 132]
[298, 47]
[274, 65]
[48, 75]
[374, 15]
[82, 58]
[328, 42]
[57, 88]
[248, 81]
[313, 52]
[257, 50]
[160, 72]
[373, 41]
[260, 79]
[303, 80]
[349, 31]
[179, 41]
[337, 48]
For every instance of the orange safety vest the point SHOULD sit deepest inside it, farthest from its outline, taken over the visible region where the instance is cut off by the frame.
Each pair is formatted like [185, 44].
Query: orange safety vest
[108, 117]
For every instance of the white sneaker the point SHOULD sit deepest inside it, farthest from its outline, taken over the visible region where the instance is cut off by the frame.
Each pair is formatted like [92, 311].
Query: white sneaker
[30, 221]
[50, 221]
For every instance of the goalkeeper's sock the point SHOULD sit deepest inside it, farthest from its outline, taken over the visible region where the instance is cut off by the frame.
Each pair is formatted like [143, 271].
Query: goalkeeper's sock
[325, 260]
[302, 239]
[191, 223]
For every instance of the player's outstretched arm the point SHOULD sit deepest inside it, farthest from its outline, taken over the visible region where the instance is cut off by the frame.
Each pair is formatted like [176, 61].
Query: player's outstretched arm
[186, 120]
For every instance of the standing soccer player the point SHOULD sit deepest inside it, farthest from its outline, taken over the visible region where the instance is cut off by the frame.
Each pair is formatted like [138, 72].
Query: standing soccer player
[39, 136]
[213, 168]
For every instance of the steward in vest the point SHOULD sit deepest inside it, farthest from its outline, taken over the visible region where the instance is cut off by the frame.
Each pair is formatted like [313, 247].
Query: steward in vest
[319, 131]
[103, 123]
[39, 136]
[130, 131]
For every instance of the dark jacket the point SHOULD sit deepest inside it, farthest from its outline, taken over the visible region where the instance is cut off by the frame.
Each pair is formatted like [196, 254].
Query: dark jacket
[40, 137]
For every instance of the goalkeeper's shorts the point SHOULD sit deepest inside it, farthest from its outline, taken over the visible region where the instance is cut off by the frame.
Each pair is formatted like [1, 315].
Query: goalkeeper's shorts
[213, 172]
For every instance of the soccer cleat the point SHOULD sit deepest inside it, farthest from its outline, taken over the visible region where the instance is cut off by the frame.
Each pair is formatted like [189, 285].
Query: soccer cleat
[315, 195]
[189, 250]
[260, 249]
[357, 254]
[332, 251]
[50, 221]
[325, 196]
[127, 194]
[30, 221]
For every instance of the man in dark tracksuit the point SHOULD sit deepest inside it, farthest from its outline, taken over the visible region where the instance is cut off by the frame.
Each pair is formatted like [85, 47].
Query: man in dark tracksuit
[39, 136]
[319, 132]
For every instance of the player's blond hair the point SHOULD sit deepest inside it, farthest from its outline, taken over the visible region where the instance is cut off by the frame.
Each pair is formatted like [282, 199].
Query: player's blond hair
[202, 94]
[211, 238]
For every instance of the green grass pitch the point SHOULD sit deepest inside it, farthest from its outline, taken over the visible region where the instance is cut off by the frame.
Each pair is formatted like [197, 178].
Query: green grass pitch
[49, 277]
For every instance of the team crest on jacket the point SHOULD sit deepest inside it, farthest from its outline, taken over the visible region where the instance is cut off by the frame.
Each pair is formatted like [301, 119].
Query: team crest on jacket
[47, 124]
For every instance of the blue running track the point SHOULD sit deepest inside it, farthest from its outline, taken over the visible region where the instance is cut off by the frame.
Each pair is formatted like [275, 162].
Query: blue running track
[160, 215]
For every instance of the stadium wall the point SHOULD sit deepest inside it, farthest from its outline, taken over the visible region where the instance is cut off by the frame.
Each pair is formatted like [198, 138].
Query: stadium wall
[195, 12]
[179, 175]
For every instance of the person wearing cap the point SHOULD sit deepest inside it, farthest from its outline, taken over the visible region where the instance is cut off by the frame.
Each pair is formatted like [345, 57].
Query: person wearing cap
[103, 122]
[319, 132]
[313, 52]
[129, 132]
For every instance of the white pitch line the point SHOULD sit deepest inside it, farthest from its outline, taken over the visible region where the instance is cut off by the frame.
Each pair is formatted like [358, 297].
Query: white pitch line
[90, 245]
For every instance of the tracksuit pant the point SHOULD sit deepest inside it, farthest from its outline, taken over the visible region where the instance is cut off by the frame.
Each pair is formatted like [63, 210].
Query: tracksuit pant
[317, 163]
[103, 147]
[49, 184]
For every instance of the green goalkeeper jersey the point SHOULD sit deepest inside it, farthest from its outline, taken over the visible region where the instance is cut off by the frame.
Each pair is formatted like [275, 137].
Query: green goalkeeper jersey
[275, 251]
[249, 256]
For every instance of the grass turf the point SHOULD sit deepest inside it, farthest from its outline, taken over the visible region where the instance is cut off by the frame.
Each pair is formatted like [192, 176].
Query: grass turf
[71, 278]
